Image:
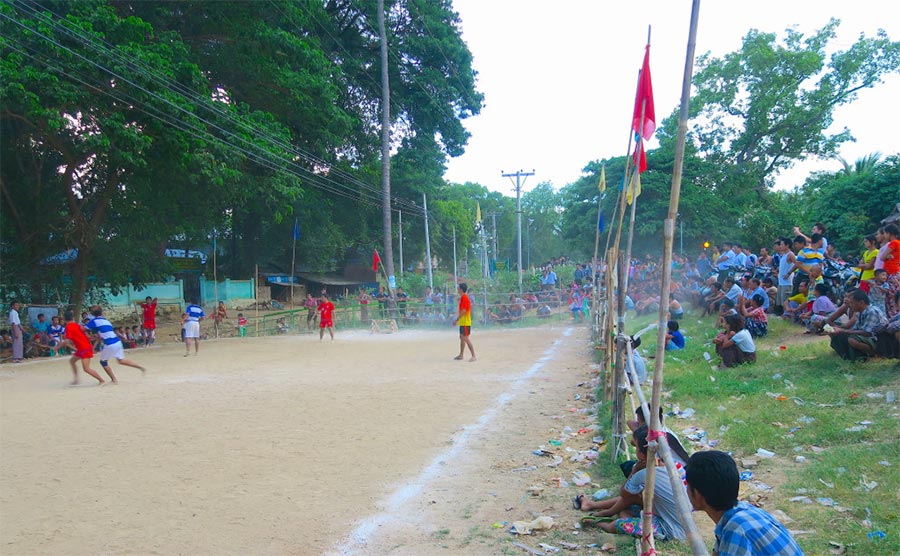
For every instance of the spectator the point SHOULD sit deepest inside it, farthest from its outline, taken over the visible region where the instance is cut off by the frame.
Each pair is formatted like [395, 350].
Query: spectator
[674, 338]
[771, 291]
[242, 325]
[819, 311]
[732, 290]
[755, 319]
[821, 244]
[857, 340]
[17, 333]
[757, 289]
[796, 304]
[786, 259]
[704, 267]
[741, 528]
[878, 289]
[764, 259]
[665, 519]
[676, 311]
[891, 238]
[735, 346]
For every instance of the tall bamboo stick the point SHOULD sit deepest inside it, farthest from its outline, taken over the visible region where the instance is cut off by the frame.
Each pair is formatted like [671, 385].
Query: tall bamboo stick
[684, 506]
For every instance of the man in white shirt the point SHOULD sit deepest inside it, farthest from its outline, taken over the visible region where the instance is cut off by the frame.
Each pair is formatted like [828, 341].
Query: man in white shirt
[17, 333]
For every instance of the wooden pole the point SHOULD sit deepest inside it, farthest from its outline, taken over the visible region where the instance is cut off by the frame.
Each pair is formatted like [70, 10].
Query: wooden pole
[256, 298]
[215, 285]
[684, 506]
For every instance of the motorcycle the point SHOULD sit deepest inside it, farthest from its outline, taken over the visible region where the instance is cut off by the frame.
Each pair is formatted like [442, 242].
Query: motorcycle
[839, 276]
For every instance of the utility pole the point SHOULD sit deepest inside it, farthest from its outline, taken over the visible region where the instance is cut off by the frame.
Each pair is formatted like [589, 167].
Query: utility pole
[455, 277]
[494, 224]
[387, 232]
[427, 242]
[400, 230]
[519, 183]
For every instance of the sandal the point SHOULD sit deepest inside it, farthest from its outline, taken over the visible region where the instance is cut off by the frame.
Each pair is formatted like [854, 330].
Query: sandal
[595, 521]
[576, 502]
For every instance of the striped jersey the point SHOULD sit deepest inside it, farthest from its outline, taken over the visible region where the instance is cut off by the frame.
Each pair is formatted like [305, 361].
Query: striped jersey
[194, 312]
[104, 329]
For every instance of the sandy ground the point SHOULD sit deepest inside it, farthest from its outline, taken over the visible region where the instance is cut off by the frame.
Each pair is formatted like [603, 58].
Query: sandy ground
[285, 445]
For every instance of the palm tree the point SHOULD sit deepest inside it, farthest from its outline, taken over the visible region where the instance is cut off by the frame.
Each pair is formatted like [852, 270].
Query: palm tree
[864, 166]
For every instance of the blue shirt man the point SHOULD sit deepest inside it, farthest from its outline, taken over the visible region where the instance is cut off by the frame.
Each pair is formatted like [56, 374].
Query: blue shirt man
[741, 529]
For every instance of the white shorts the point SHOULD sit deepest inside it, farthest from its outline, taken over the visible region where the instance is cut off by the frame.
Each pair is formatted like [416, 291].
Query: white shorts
[192, 329]
[112, 351]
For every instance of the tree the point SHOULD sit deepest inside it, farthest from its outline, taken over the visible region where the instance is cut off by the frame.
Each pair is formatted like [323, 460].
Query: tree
[758, 110]
[852, 205]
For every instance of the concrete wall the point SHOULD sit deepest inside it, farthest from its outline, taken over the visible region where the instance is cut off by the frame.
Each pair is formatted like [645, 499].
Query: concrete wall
[235, 293]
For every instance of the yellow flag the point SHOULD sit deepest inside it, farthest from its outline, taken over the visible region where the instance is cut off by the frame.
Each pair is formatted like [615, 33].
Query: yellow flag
[634, 188]
[602, 184]
[478, 213]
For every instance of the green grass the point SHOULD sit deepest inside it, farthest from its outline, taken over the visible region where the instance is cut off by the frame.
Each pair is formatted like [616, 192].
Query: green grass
[825, 397]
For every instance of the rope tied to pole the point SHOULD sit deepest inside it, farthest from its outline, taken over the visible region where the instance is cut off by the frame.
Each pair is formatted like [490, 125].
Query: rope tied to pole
[654, 434]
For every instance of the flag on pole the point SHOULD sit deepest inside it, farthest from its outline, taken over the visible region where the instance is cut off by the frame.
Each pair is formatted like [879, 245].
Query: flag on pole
[601, 224]
[640, 157]
[297, 228]
[375, 260]
[477, 213]
[643, 102]
[634, 188]
[602, 185]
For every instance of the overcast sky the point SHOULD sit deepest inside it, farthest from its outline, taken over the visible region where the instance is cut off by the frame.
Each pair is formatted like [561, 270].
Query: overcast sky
[559, 77]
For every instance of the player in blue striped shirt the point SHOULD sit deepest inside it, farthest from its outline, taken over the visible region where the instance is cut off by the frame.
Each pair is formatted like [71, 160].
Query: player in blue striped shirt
[193, 314]
[112, 345]
[741, 529]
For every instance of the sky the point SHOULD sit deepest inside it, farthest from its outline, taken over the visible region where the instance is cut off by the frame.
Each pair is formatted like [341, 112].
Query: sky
[559, 76]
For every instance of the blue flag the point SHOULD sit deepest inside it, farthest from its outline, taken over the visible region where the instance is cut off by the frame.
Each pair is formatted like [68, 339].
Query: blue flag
[297, 228]
[600, 224]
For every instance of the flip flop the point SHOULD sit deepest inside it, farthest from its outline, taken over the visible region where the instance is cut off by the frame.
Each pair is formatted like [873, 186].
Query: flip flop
[576, 502]
[595, 521]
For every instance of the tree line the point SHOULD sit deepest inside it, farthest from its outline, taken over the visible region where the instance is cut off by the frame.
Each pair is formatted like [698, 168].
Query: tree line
[132, 127]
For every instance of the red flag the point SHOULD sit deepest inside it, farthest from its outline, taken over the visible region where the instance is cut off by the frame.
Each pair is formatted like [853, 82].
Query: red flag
[375, 260]
[644, 93]
[640, 157]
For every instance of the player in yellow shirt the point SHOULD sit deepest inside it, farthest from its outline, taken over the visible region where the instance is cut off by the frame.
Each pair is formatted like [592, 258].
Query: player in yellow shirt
[464, 319]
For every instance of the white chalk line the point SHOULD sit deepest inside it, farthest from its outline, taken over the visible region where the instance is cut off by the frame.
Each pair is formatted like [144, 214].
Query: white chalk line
[365, 530]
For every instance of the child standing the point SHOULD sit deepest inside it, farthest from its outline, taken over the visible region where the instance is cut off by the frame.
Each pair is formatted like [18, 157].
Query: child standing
[242, 324]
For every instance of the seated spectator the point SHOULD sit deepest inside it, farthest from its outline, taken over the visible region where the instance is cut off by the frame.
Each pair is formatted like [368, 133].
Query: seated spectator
[676, 311]
[821, 309]
[137, 335]
[544, 311]
[735, 346]
[768, 285]
[756, 288]
[796, 304]
[858, 340]
[755, 319]
[742, 529]
[640, 368]
[731, 289]
[665, 519]
[679, 454]
[878, 289]
[712, 301]
[892, 326]
[674, 337]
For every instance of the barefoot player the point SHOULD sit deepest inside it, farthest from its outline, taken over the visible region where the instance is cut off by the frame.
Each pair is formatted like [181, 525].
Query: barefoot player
[112, 345]
[465, 322]
[76, 339]
[148, 307]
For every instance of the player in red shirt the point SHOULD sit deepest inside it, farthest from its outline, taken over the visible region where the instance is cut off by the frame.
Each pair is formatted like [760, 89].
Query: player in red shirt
[149, 326]
[78, 341]
[325, 310]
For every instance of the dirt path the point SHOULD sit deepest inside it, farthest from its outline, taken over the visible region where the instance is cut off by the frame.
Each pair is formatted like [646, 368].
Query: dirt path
[283, 445]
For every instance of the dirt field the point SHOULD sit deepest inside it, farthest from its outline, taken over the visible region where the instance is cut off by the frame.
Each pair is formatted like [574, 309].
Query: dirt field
[285, 445]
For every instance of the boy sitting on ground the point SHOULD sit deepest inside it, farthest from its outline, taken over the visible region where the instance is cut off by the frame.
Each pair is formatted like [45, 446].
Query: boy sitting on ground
[674, 337]
[821, 309]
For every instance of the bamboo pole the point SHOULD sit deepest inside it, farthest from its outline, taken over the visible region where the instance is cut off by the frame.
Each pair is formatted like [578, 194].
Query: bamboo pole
[256, 299]
[684, 506]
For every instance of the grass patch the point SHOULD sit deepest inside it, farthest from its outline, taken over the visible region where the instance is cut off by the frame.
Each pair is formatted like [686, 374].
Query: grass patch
[797, 396]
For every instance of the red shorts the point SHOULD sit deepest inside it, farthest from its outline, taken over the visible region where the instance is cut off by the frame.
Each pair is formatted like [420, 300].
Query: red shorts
[86, 353]
[325, 323]
[150, 325]
[465, 330]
